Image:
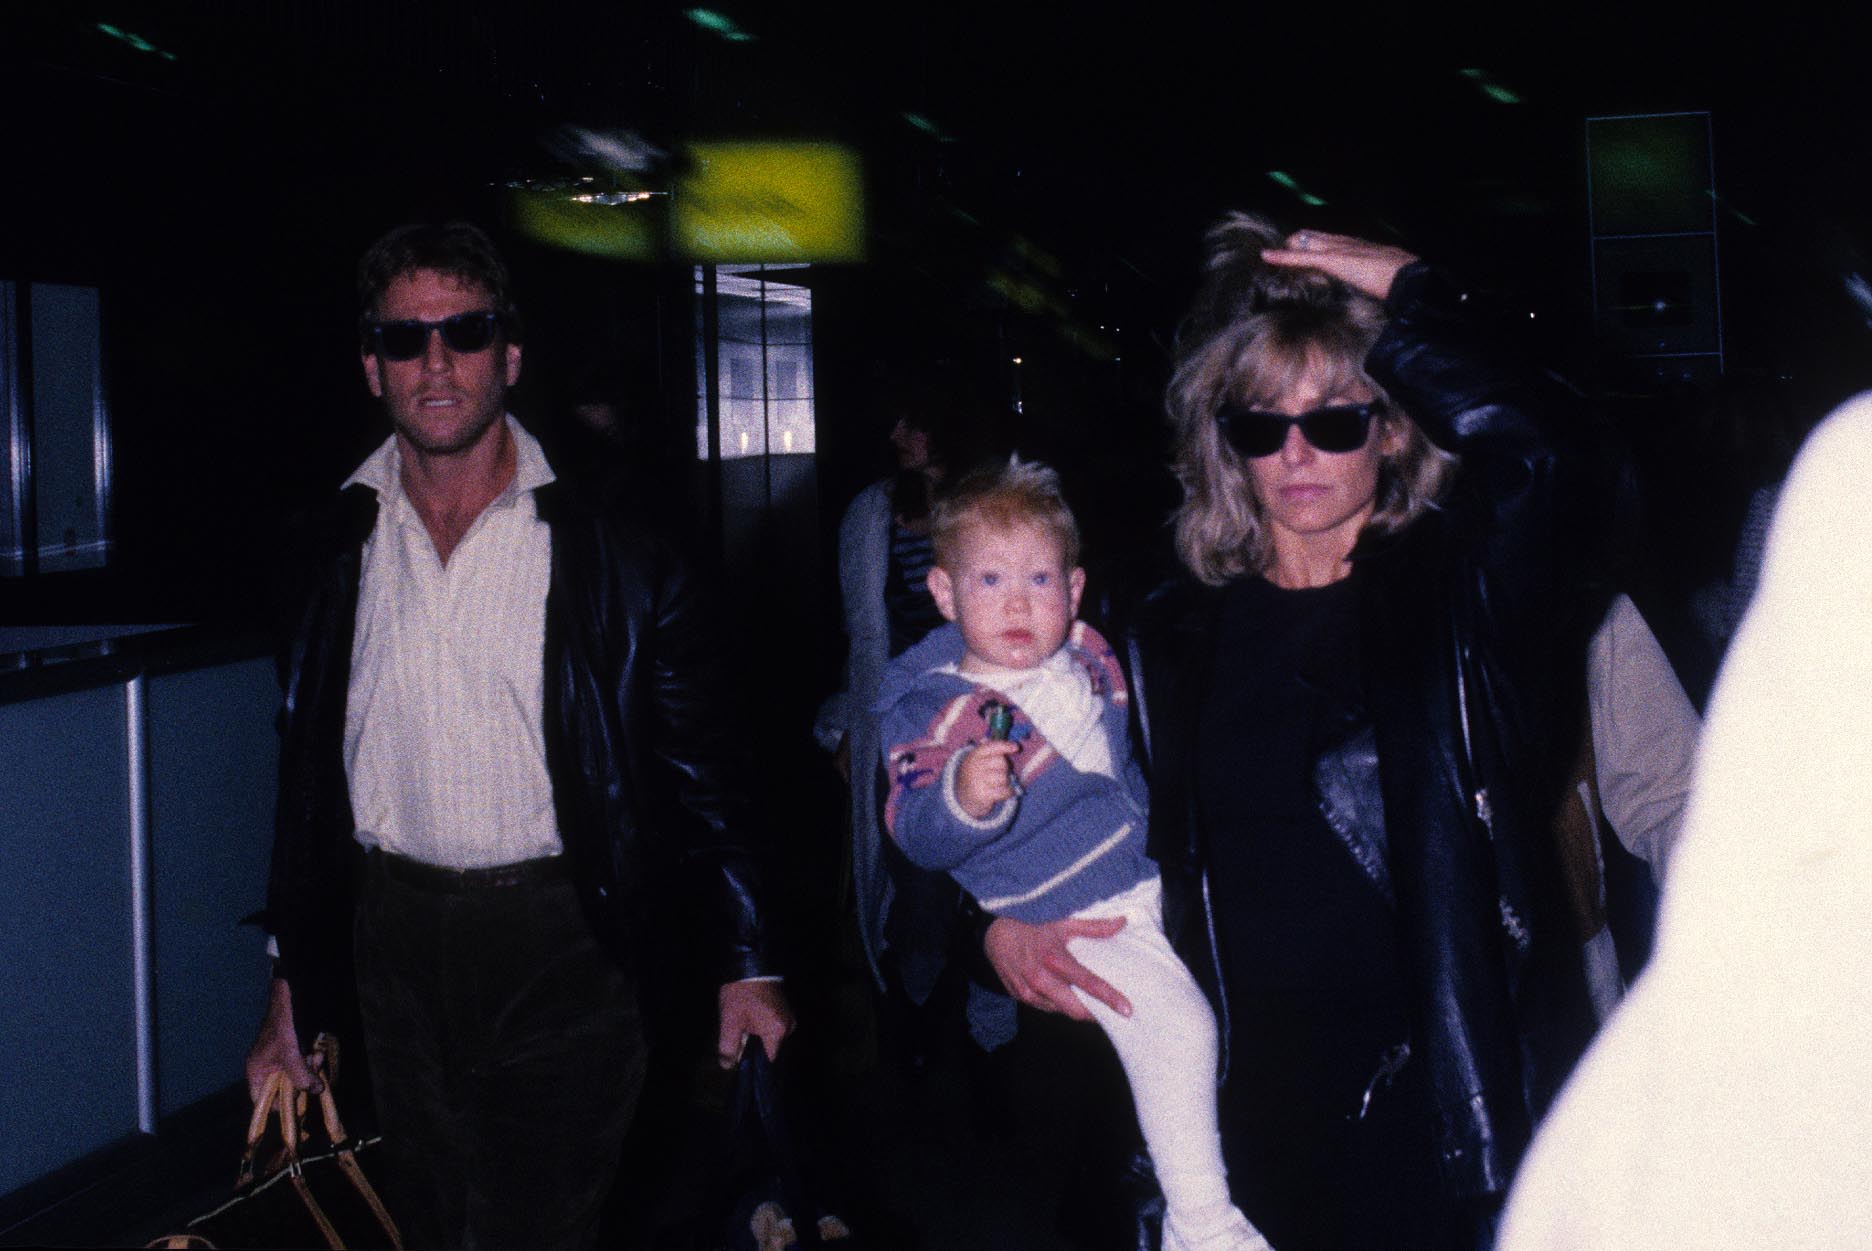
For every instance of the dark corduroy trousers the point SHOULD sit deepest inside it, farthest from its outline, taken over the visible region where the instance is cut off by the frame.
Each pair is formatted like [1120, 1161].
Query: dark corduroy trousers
[507, 1052]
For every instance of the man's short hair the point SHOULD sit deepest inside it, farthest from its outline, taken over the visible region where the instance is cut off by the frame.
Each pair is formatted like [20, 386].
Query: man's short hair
[459, 249]
[1003, 494]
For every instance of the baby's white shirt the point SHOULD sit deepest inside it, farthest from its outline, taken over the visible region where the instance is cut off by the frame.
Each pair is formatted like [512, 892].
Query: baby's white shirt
[1057, 697]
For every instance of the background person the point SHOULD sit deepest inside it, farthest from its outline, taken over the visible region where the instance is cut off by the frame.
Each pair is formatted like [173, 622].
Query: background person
[1632, 777]
[622, 445]
[1353, 740]
[908, 918]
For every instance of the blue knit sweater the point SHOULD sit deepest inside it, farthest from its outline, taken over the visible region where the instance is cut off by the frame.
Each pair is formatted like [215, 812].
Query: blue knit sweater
[1067, 840]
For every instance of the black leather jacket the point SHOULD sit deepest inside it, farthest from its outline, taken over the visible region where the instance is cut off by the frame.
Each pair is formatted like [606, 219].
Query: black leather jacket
[1469, 625]
[641, 749]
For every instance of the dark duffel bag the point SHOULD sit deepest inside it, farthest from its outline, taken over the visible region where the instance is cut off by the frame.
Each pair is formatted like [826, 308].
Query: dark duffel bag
[777, 1201]
[293, 1193]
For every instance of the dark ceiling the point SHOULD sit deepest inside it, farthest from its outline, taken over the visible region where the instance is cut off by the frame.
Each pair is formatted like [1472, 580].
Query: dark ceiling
[1106, 124]
[218, 165]
[1097, 139]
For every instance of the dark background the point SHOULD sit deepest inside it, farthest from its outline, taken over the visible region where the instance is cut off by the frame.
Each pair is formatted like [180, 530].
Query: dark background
[217, 191]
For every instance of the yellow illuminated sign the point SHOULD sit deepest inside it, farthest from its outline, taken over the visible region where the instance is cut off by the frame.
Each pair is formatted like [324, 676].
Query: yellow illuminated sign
[627, 232]
[762, 202]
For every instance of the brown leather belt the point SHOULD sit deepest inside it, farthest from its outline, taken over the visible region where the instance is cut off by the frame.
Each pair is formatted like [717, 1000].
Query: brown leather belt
[439, 879]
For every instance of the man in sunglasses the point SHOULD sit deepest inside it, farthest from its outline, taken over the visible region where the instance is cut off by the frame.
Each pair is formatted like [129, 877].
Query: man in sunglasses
[504, 755]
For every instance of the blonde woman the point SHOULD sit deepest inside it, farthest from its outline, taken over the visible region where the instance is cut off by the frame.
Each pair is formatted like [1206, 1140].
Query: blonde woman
[1346, 707]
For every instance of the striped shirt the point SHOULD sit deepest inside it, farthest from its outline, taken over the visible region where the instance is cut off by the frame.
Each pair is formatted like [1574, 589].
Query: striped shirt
[907, 601]
[444, 739]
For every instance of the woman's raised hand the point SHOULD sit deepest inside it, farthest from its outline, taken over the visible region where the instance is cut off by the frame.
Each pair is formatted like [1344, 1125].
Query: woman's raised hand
[1359, 263]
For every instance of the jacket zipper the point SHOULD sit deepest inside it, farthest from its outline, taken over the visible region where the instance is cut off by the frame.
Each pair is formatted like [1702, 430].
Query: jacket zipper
[1215, 963]
[1484, 809]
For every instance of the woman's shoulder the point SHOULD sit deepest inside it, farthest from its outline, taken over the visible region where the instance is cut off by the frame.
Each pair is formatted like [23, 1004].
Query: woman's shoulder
[1175, 605]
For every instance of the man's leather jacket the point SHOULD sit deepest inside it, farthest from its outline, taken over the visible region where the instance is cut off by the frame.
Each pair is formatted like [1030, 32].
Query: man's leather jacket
[640, 749]
[1470, 633]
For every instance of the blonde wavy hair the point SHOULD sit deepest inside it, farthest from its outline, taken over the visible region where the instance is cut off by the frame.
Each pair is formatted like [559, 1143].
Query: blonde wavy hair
[1253, 334]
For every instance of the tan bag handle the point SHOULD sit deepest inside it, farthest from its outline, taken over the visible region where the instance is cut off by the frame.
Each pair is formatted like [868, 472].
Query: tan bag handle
[327, 1045]
[276, 1102]
[280, 1101]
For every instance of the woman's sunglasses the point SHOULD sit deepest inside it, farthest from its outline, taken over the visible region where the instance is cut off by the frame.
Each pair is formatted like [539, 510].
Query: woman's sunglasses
[1334, 428]
[406, 340]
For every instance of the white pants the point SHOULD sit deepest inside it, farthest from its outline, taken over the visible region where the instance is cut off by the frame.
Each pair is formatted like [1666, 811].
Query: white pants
[1168, 1049]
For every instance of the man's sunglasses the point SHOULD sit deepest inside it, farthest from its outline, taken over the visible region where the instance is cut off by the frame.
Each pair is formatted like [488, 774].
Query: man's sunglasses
[406, 340]
[1335, 428]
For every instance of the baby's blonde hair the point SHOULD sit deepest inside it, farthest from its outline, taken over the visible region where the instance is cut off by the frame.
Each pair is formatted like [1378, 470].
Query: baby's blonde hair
[1003, 496]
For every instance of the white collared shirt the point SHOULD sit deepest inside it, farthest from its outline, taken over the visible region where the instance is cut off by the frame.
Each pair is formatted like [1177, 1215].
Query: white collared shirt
[444, 739]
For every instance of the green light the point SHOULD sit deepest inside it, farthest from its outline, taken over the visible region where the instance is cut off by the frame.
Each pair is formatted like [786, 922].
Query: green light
[134, 40]
[1493, 90]
[928, 127]
[1286, 180]
[1734, 212]
[719, 24]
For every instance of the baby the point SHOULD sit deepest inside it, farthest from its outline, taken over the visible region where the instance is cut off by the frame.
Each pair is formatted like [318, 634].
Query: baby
[1010, 770]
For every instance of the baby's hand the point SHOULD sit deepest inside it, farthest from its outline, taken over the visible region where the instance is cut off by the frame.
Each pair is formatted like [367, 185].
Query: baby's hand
[985, 778]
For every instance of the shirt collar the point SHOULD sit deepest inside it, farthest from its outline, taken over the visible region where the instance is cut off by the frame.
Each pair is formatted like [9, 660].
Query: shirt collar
[382, 469]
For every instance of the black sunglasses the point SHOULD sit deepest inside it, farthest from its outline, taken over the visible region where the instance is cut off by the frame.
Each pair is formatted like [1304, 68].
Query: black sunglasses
[406, 340]
[1334, 428]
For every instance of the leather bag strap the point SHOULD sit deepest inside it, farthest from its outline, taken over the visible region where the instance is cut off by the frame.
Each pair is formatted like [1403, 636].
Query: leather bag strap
[347, 1163]
[346, 1150]
[327, 1230]
[276, 1102]
[282, 1104]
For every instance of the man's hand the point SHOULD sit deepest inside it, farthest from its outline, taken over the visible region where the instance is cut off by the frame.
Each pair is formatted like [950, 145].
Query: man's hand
[752, 1007]
[985, 777]
[1036, 968]
[1359, 264]
[276, 1048]
[841, 759]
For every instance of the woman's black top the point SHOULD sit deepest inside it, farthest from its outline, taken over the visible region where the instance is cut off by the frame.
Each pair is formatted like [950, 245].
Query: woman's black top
[1307, 944]
[1300, 914]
